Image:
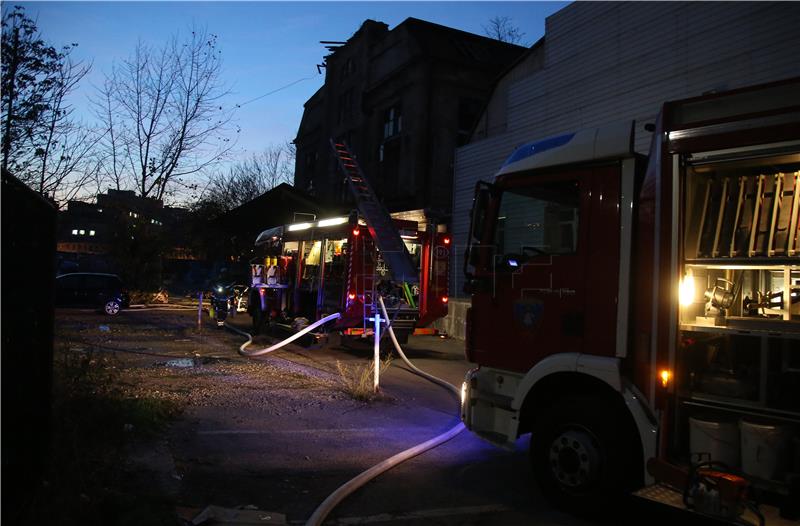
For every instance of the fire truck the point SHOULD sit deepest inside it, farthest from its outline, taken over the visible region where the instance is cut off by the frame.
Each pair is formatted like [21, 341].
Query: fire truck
[640, 316]
[307, 270]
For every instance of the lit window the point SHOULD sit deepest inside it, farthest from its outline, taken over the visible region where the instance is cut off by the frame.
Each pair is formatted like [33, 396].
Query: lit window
[91, 232]
[75, 232]
[100, 210]
[82, 232]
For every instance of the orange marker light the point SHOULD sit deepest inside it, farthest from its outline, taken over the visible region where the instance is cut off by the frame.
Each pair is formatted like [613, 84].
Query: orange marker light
[665, 376]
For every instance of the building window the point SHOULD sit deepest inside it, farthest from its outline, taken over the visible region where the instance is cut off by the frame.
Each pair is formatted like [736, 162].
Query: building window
[91, 232]
[392, 122]
[75, 232]
[82, 232]
[345, 105]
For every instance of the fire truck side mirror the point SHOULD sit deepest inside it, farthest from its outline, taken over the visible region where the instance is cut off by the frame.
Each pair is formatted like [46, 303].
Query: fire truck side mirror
[480, 205]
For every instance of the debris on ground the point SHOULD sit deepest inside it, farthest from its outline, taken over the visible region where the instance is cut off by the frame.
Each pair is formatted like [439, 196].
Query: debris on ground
[244, 516]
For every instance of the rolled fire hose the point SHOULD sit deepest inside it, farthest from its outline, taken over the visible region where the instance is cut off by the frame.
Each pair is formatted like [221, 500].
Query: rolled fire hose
[356, 482]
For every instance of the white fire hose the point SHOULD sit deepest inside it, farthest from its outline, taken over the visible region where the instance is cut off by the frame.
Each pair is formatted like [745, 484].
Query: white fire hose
[280, 344]
[358, 481]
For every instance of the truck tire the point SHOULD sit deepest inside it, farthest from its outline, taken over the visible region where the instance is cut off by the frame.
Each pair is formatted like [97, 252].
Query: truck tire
[582, 455]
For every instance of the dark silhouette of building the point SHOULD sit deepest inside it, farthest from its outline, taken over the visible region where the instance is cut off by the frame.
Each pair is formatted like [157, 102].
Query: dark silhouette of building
[281, 205]
[93, 228]
[403, 100]
[29, 241]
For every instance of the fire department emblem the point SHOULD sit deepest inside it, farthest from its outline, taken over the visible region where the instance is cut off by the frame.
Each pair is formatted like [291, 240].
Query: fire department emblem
[527, 313]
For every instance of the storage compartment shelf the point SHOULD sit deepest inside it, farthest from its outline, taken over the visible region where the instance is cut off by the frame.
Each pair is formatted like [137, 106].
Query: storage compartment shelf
[750, 327]
[739, 408]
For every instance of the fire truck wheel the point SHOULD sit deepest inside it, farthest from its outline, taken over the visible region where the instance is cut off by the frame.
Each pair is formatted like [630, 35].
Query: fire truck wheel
[578, 454]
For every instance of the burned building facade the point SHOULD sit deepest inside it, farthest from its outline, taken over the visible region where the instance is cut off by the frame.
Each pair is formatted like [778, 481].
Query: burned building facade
[403, 100]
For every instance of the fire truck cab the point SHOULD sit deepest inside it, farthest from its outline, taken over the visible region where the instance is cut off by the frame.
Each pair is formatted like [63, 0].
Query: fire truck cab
[641, 316]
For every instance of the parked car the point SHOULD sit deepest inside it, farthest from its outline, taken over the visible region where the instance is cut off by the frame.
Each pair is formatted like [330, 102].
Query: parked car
[89, 289]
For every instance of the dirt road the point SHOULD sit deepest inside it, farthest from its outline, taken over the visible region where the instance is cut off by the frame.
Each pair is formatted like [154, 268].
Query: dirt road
[280, 433]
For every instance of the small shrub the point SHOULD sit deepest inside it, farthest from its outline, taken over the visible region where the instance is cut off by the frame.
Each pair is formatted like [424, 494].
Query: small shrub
[357, 380]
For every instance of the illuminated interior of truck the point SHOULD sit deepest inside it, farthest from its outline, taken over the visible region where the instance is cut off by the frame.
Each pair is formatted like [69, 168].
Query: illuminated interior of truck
[739, 293]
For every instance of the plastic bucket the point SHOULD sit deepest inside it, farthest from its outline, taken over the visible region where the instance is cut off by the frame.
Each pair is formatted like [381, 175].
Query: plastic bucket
[714, 440]
[764, 448]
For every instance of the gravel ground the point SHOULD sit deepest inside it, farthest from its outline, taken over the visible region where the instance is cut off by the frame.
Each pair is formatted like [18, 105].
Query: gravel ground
[161, 354]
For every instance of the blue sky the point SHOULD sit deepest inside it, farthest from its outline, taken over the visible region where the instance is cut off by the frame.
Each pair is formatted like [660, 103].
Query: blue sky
[265, 45]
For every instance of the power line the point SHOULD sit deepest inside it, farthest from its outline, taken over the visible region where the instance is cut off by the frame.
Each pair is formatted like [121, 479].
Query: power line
[275, 91]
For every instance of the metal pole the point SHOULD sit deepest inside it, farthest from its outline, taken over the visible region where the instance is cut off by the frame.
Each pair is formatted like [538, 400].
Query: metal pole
[200, 311]
[376, 350]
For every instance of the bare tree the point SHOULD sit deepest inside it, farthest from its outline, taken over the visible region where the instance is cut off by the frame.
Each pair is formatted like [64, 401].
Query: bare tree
[42, 144]
[162, 114]
[250, 178]
[501, 28]
[62, 150]
[113, 152]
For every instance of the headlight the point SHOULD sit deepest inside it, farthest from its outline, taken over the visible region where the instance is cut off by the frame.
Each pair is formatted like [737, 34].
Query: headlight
[219, 289]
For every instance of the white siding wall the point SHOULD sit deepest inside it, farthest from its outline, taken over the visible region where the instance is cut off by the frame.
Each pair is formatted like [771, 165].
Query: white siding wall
[612, 61]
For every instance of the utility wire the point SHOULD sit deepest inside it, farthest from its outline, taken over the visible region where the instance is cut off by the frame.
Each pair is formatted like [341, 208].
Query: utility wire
[275, 90]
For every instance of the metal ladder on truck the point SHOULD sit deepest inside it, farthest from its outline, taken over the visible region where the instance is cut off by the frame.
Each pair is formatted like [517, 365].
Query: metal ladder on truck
[380, 226]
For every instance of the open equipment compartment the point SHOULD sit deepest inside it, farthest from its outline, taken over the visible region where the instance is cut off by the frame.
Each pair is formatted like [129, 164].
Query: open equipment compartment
[738, 359]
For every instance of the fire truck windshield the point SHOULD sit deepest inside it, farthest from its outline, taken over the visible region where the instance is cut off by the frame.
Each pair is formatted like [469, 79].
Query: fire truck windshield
[536, 220]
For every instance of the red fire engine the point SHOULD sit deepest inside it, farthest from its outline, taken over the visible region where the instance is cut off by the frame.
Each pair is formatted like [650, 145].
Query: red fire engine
[640, 316]
[310, 269]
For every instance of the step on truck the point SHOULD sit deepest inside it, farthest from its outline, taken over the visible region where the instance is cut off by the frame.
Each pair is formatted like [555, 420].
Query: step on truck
[640, 316]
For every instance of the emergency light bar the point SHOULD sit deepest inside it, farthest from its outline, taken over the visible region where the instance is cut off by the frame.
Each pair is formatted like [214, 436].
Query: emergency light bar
[298, 226]
[332, 222]
[272, 233]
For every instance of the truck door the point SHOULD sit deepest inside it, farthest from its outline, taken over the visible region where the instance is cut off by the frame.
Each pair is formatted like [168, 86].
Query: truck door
[553, 238]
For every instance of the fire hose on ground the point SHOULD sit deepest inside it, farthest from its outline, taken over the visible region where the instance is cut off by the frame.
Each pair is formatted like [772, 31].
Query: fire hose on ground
[349, 487]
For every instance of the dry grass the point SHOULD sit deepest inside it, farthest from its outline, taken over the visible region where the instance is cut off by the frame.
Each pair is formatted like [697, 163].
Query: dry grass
[357, 380]
[93, 423]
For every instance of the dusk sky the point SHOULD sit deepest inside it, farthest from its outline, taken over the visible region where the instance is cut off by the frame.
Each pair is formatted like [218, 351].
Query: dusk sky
[265, 45]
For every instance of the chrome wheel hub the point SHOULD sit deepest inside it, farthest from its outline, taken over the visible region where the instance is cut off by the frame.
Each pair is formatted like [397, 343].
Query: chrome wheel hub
[574, 458]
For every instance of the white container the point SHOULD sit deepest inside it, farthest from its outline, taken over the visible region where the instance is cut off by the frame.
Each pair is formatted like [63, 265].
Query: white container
[764, 448]
[712, 440]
